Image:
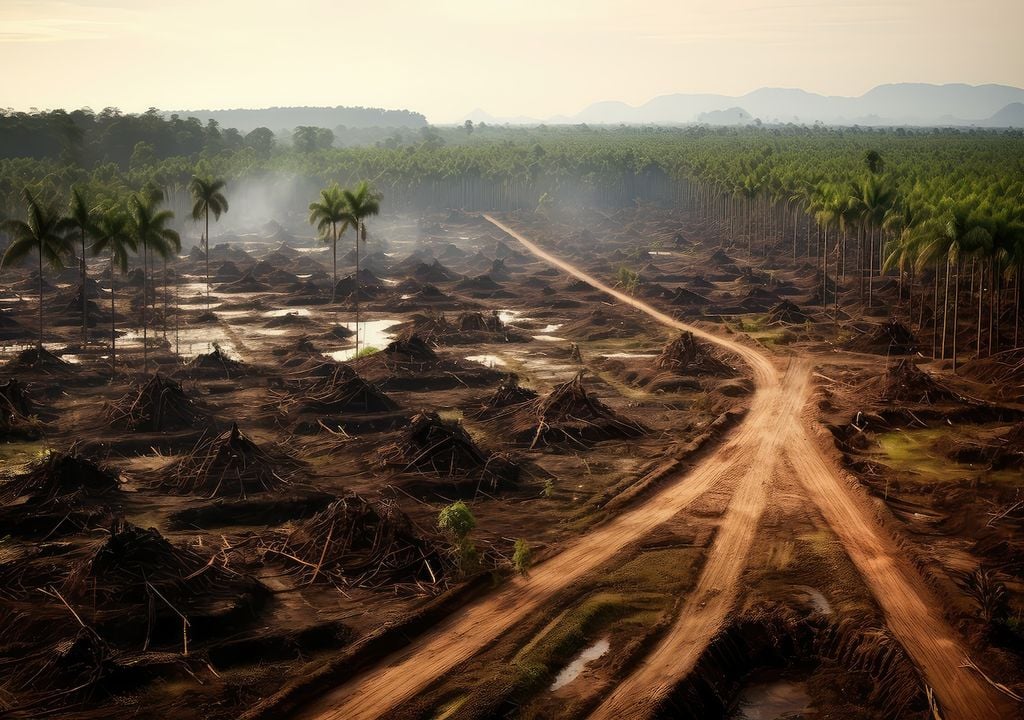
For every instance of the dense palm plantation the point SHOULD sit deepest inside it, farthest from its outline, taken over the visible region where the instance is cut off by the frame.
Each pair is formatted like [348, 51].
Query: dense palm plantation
[937, 212]
[42, 233]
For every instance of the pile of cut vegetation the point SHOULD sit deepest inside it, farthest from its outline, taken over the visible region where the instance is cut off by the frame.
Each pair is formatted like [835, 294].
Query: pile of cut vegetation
[37, 359]
[686, 356]
[1003, 370]
[63, 492]
[468, 328]
[215, 364]
[355, 543]
[569, 414]
[602, 325]
[64, 477]
[903, 381]
[786, 313]
[343, 391]
[17, 421]
[232, 465]
[509, 394]
[889, 338]
[144, 588]
[158, 405]
[431, 448]
[410, 363]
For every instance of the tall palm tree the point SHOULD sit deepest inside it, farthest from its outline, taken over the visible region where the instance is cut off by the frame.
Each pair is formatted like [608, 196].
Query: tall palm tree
[360, 204]
[150, 231]
[81, 220]
[330, 215]
[43, 233]
[207, 197]
[113, 233]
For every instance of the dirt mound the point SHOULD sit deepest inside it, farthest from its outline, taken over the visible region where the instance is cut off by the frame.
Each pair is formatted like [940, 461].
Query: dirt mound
[226, 272]
[569, 413]
[245, 284]
[434, 273]
[292, 319]
[686, 356]
[686, 298]
[355, 543]
[438, 448]
[509, 394]
[480, 283]
[903, 381]
[890, 338]
[158, 405]
[216, 363]
[343, 391]
[11, 329]
[16, 413]
[786, 313]
[232, 465]
[143, 587]
[1004, 371]
[62, 477]
[602, 325]
[37, 359]
[411, 349]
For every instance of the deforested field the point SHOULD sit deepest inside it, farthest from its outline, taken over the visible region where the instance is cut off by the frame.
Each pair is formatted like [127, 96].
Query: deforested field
[517, 423]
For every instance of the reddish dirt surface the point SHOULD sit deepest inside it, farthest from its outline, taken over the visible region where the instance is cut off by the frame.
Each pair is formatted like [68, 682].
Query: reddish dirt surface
[776, 428]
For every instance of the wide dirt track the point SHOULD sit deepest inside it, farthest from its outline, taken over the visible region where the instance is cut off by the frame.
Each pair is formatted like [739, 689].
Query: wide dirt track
[776, 433]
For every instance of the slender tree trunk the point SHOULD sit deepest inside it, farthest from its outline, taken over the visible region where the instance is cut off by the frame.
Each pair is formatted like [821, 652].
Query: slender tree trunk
[145, 302]
[40, 300]
[981, 271]
[207, 258]
[945, 310]
[358, 226]
[334, 248]
[85, 296]
[956, 308]
[113, 333]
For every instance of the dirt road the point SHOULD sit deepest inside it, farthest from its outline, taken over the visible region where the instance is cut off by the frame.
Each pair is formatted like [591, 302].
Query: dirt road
[774, 422]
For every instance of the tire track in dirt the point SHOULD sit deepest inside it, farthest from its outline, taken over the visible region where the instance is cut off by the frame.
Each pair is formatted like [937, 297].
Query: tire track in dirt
[707, 607]
[411, 670]
[911, 610]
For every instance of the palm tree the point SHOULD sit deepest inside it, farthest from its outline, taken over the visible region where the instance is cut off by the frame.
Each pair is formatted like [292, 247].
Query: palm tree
[360, 204]
[150, 231]
[43, 233]
[207, 197]
[328, 214]
[81, 219]
[113, 233]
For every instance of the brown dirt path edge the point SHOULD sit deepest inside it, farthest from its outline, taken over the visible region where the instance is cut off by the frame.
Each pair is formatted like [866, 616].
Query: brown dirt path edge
[912, 612]
[405, 673]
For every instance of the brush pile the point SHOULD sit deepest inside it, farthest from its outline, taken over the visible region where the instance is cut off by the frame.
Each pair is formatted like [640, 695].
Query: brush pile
[509, 394]
[159, 405]
[890, 338]
[434, 448]
[63, 489]
[16, 418]
[216, 363]
[37, 359]
[60, 477]
[145, 588]
[232, 465]
[468, 328]
[904, 382]
[685, 356]
[343, 391]
[786, 313]
[355, 543]
[569, 413]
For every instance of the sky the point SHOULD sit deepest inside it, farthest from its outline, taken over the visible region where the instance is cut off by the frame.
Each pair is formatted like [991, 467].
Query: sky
[445, 58]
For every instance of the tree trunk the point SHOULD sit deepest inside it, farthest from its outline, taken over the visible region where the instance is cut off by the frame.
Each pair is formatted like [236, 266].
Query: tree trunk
[40, 299]
[145, 302]
[207, 258]
[358, 233]
[334, 250]
[113, 333]
[85, 296]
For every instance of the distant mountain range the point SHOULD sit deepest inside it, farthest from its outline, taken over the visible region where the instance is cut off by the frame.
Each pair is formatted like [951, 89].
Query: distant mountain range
[917, 104]
[289, 118]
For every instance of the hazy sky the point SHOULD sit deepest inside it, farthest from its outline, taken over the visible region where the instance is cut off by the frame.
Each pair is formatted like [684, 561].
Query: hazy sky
[510, 57]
